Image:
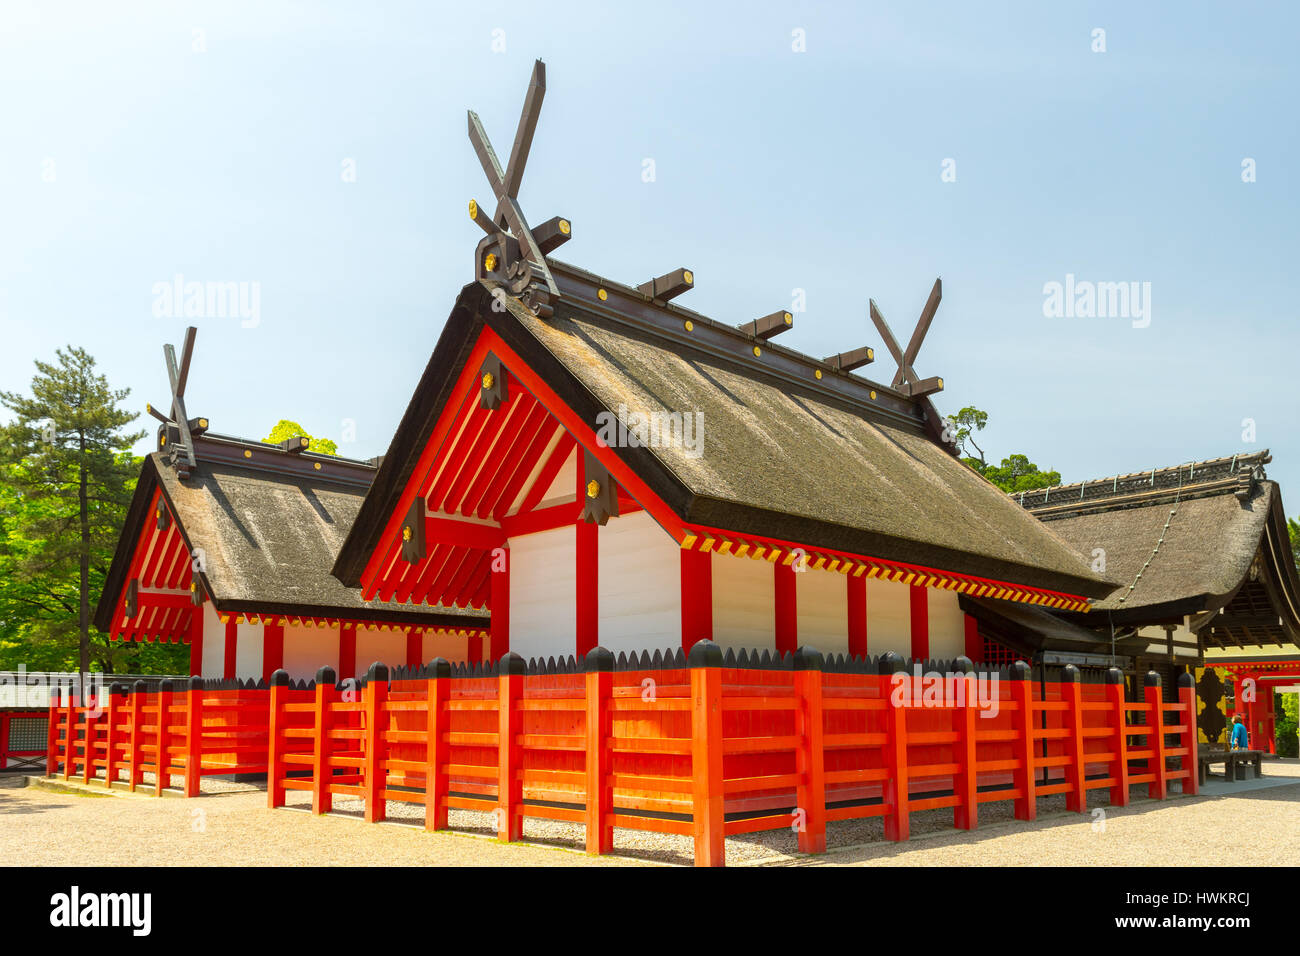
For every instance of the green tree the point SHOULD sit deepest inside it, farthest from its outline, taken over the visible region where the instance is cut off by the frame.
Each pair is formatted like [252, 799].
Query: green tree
[68, 475]
[285, 429]
[1293, 528]
[1016, 472]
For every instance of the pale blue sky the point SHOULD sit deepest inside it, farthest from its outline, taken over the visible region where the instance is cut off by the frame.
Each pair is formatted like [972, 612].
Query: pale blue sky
[775, 170]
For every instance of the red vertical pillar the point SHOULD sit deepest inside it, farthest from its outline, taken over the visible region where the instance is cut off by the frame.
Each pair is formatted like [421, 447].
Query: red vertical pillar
[857, 585]
[272, 649]
[510, 792]
[1158, 788]
[414, 647]
[474, 648]
[600, 795]
[787, 607]
[1022, 694]
[810, 757]
[1119, 714]
[974, 643]
[500, 605]
[586, 589]
[231, 649]
[196, 642]
[920, 607]
[1187, 697]
[438, 721]
[697, 597]
[707, 793]
[347, 651]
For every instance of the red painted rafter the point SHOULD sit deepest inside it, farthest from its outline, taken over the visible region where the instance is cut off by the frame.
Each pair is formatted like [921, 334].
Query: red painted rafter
[486, 457]
[547, 475]
[499, 456]
[546, 434]
[514, 457]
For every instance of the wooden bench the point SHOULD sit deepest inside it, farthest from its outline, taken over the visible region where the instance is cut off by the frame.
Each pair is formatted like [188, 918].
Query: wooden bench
[1234, 763]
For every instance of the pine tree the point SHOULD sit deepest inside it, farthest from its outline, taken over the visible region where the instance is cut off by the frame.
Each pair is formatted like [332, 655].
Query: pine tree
[70, 474]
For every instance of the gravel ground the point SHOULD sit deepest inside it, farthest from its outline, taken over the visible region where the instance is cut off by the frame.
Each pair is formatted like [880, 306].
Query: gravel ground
[1180, 831]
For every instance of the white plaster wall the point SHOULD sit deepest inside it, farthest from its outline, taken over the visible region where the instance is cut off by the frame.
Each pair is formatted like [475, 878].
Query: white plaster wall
[822, 602]
[444, 644]
[387, 646]
[744, 603]
[543, 581]
[947, 624]
[248, 651]
[214, 643]
[889, 618]
[640, 603]
[308, 649]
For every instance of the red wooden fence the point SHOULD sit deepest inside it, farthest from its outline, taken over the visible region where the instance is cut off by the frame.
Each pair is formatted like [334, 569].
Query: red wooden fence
[713, 746]
[186, 728]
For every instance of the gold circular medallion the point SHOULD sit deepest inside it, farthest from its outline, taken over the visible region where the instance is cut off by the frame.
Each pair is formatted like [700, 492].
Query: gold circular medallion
[789, 319]
[490, 263]
[564, 226]
[473, 209]
[593, 488]
[757, 351]
[688, 276]
[487, 380]
[406, 533]
[817, 373]
[317, 466]
[247, 453]
[690, 326]
[873, 395]
[602, 295]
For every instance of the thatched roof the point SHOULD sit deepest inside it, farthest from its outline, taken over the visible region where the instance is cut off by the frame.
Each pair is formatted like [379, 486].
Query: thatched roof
[789, 460]
[1181, 539]
[269, 539]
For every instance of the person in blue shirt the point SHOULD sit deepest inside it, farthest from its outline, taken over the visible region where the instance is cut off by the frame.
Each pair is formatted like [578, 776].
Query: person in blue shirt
[1239, 736]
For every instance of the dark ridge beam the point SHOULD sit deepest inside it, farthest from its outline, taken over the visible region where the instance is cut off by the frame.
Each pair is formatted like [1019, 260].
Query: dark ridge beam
[552, 234]
[848, 361]
[483, 222]
[296, 445]
[668, 286]
[769, 325]
[926, 386]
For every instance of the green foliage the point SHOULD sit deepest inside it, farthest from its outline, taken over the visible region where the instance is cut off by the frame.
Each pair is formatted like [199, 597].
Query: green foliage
[66, 479]
[1017, 472]
[1293, 529]
[285, 429]
[1288, 722]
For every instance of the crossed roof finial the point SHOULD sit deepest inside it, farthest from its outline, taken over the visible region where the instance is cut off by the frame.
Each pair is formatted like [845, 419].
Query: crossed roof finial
[516, 259]
[905, 379]
[177, 428]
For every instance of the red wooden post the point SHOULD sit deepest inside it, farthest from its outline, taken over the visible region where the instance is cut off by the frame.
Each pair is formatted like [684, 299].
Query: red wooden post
[785, 584]
[810, 756]
[600, 795]
[895, 795]
[272, 649]
[697, 597]
[347, 651]
[231, 650]
[965, 815]
[474, 647]
[1158, 788]
[196, 639]
[322, 798]
[437, 750]
[1076, 771]
[707, 796]
[276, 742]
[414, 647]
[52, 732]
[194, 737]
[135, 772]
[161, 767]
[1022, 693]
[499, 603]
[70, 750]
[919, 601]
[1115, 696]
[510, 787]
[375, 706]
[111, 736]
[88, 765]
[1187, 697]
[974, 643]
[857, 598]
